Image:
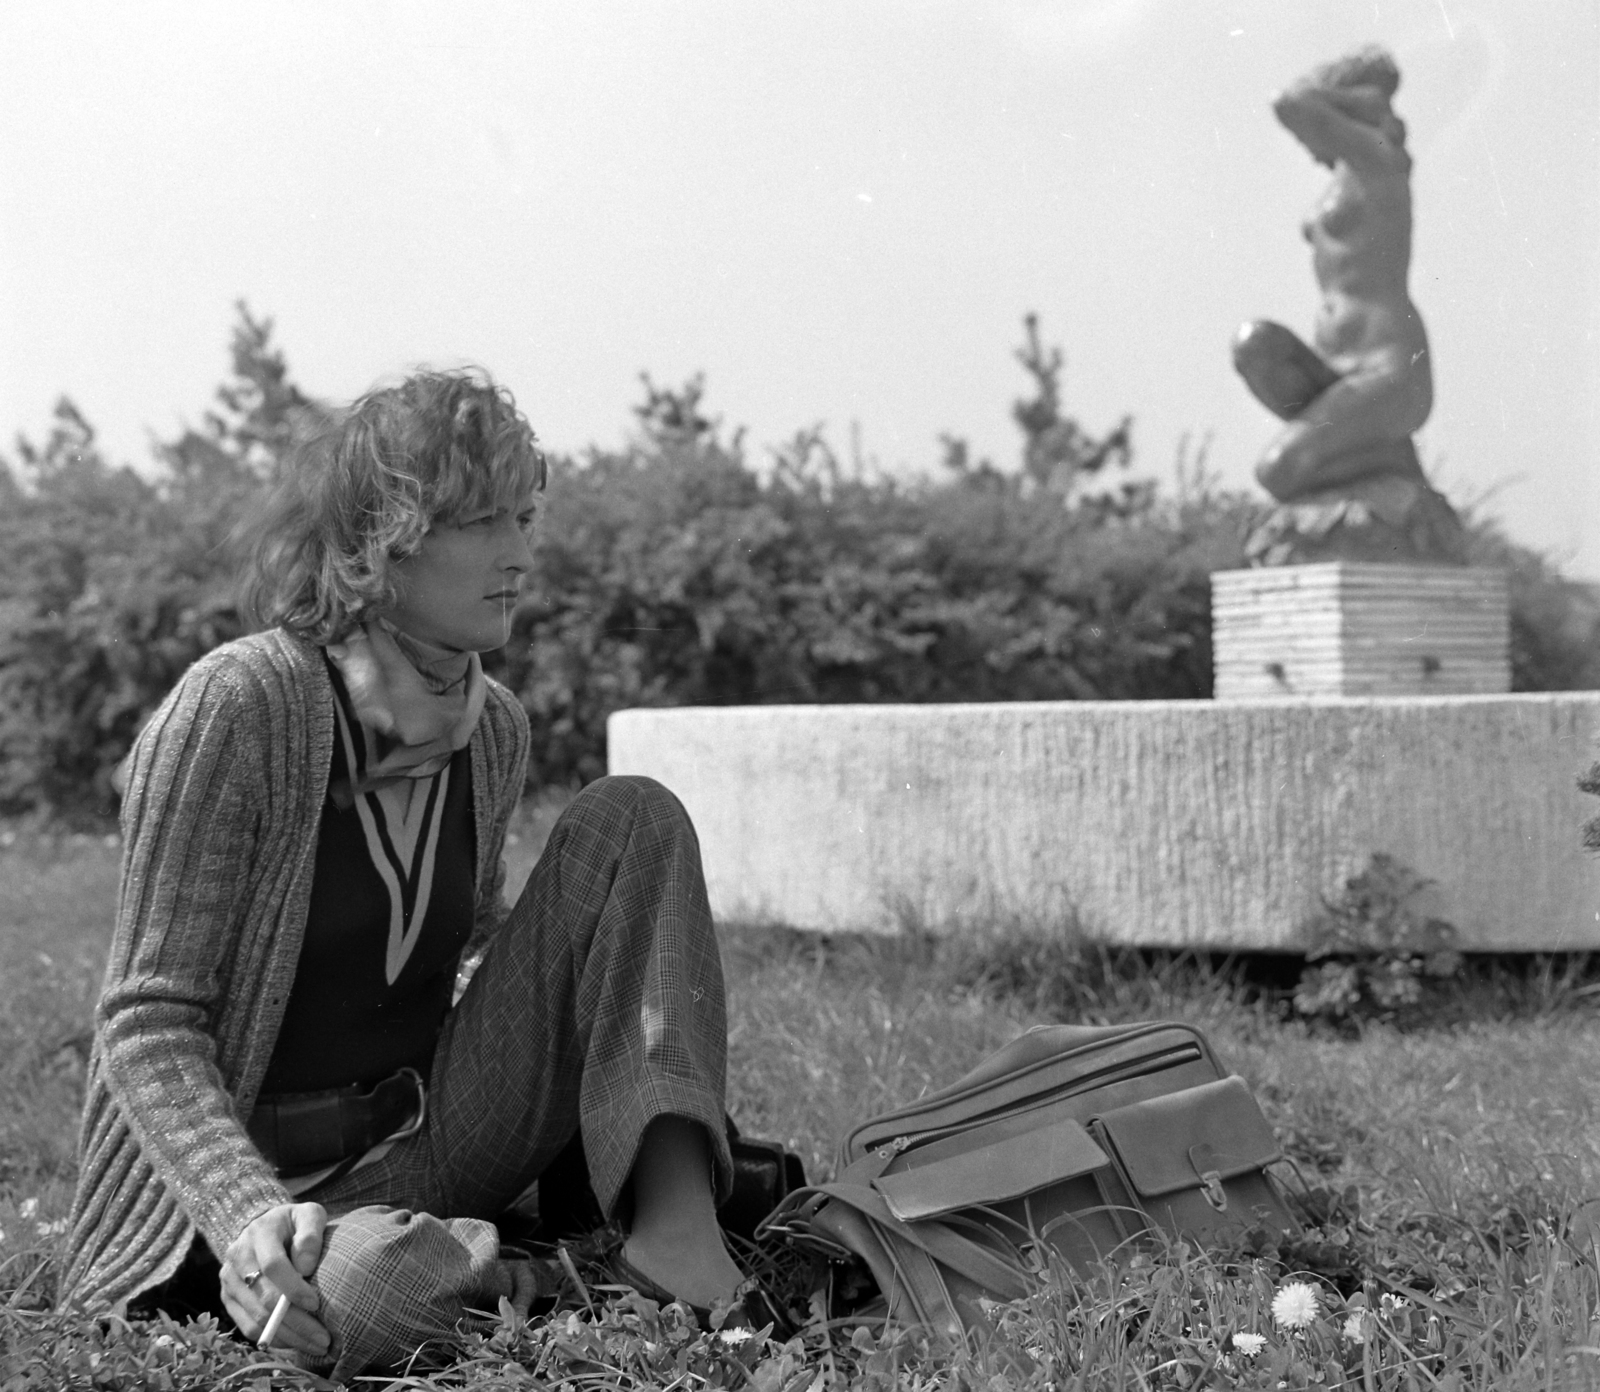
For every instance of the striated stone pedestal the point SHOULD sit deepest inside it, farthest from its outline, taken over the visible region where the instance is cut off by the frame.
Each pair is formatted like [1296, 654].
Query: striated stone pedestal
[1342, 628]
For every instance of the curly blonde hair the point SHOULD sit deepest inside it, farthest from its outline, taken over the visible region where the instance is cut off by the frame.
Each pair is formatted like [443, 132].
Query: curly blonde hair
[362, 486]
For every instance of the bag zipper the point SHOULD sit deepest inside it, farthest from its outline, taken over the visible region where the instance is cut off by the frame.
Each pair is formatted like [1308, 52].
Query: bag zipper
[1138, 1068]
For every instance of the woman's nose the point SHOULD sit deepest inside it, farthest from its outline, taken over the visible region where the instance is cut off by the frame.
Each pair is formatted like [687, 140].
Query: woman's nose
[517, 552]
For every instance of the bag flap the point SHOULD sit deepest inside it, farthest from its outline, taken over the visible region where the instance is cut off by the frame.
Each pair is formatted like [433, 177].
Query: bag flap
[990, 1174]
[1173, 1142]
[1043, 1059]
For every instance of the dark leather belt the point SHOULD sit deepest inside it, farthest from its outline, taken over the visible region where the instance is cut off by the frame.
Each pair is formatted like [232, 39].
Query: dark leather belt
[300, 1132]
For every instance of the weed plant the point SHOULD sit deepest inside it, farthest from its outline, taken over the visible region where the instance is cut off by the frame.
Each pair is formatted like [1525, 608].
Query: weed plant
[1443, 1172]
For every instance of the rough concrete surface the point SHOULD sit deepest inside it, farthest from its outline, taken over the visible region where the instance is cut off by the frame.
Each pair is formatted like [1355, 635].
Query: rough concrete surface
[1160, 823]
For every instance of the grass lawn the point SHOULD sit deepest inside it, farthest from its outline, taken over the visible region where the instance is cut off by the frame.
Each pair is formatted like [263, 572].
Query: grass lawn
[1464, 1152]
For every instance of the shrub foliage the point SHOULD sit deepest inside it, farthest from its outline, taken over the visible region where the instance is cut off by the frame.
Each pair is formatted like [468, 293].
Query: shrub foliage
[676, 570]
[112, 583]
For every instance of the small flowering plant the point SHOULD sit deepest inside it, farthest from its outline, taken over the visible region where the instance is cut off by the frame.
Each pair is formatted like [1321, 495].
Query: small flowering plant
[1189, 1321]
[1295, 1306]
[1313, 1337]
[1249, 1345]
[34, 1224]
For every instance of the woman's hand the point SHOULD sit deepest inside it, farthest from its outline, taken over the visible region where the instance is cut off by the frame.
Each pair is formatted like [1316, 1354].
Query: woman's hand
[528, 1282]
[280, 1249]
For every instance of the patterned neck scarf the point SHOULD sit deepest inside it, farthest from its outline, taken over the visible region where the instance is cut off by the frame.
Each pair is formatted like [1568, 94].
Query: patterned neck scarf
[419, 704]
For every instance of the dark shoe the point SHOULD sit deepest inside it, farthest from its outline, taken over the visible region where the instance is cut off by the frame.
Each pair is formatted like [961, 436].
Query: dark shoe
[753, 1307]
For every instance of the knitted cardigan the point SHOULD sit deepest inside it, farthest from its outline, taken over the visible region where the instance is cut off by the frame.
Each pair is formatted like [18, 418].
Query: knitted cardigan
[219, 821]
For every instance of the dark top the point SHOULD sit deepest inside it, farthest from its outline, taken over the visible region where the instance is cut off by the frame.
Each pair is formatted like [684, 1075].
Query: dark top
[373, 983]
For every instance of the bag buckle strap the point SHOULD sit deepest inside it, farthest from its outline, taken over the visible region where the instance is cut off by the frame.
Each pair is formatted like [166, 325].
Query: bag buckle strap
[1204, 1160]
[412, 1127]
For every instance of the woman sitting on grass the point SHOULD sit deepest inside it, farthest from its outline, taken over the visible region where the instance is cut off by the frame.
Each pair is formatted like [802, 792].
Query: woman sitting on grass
[313, 824]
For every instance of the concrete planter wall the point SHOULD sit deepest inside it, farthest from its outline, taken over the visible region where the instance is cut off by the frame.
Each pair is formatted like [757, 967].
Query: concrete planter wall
[1181, 823]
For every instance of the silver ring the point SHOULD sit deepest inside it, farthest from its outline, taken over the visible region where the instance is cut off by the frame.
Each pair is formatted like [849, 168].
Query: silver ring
[250, 1278]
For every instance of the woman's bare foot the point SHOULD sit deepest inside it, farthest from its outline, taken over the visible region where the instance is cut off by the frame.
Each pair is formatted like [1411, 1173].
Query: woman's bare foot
[685, 1266]
[674, 1239]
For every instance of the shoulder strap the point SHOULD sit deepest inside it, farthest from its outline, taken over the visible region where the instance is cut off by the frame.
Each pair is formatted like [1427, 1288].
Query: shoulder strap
[1007, 1280]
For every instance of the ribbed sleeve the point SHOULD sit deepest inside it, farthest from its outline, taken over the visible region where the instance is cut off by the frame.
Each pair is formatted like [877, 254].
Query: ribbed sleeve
[191, 832]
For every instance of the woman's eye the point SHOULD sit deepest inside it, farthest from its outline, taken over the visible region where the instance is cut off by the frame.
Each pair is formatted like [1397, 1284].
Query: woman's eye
[526, 520]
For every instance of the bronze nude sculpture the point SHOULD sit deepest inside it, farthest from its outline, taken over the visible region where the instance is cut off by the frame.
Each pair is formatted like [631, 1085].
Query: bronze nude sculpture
[1344, 470]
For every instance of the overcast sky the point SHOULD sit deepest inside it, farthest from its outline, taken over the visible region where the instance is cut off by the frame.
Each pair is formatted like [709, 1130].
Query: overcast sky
[839, 211]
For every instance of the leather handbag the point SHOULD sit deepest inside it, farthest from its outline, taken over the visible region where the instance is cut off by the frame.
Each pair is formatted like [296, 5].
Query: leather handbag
[764, 1174]
[1068, 1144]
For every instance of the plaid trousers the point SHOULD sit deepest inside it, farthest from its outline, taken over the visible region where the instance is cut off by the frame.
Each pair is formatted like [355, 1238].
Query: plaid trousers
[599, 1006]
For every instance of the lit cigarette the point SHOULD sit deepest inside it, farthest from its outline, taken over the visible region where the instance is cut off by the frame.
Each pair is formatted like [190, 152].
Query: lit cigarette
[275, 1323]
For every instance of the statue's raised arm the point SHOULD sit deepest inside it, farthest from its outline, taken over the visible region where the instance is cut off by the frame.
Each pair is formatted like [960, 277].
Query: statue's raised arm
[1344, 466]
[1343, 111]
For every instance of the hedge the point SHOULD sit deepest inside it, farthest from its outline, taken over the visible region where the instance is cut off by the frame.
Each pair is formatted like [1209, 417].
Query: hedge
[674, 571]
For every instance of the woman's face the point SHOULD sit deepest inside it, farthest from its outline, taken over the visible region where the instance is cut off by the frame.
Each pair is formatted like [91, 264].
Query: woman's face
[458, 589]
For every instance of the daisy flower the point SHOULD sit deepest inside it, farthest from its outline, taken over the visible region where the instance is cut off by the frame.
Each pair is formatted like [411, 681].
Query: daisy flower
[1295, 1306]
[734, 1337]
[1249, 1345]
